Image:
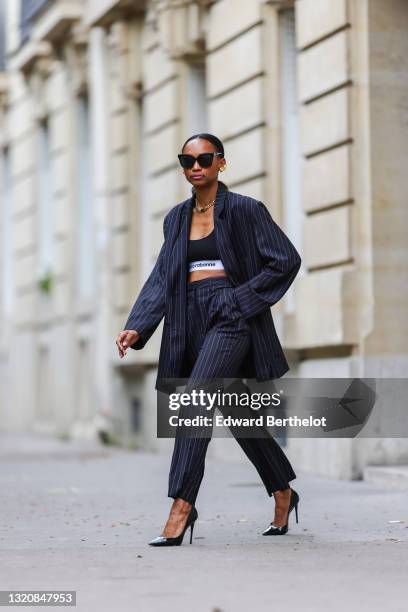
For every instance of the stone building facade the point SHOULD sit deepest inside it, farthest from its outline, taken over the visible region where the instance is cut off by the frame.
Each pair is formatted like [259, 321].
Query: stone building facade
[96, 98]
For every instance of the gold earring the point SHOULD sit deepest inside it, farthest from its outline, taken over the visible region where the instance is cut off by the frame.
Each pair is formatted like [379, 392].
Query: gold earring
[222, 169]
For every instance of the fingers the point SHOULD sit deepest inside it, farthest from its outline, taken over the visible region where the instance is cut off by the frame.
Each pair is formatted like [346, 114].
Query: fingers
[120, 343]
[125, 339]
[130, 338]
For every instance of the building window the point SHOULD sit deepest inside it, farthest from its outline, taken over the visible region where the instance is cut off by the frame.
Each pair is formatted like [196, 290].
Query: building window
[2, 36]
[290, 136]
[196, 103]
[44, 405]
[29, 9]
[196, 107]
[45, 211]
[6, 234]
[83, 402]
[85, 229]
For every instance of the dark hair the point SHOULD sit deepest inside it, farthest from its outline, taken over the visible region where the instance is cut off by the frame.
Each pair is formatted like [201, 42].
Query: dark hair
[210, 137]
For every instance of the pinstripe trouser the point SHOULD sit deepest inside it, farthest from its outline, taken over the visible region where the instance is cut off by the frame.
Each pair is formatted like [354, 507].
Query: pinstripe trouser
[218, 338]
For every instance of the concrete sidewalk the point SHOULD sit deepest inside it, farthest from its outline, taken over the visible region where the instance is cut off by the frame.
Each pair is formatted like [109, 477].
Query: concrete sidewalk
[78, 516]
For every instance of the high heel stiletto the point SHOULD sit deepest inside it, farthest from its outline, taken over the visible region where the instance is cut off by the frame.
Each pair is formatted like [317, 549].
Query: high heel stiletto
[177, 540]
[276, 530]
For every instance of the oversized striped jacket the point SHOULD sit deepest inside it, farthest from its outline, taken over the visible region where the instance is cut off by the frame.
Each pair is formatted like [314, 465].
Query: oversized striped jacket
[261, 263]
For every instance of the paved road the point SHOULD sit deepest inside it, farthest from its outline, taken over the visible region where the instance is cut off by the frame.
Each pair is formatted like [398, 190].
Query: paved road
[78, 516]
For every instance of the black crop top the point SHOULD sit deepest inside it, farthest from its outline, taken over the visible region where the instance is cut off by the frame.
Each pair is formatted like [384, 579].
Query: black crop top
[203, 248]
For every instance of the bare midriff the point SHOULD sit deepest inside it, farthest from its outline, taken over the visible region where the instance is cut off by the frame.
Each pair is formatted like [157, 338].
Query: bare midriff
[199, 274]
[200, 228]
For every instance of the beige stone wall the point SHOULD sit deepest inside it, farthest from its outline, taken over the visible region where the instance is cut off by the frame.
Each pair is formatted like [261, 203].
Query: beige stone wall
[326, 93]
[43, 85]
[349, 302]
[388, 126]
[235, 91]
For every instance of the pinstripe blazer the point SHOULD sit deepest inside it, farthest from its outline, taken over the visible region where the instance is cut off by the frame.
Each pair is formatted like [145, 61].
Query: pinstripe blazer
[261, 263]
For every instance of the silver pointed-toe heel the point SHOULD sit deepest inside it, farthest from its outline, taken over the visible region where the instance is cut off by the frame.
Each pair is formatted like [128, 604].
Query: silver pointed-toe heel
[276, 530]
[177, 540]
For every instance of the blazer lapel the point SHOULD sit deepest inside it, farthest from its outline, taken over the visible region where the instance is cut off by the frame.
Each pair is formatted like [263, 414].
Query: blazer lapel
[223, 231]
[222, 225]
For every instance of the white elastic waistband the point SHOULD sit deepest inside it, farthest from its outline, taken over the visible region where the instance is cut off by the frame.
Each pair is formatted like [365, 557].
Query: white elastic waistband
[206, 264]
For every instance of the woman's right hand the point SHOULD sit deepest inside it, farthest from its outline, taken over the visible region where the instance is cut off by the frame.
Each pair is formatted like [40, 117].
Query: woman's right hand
[125, 339]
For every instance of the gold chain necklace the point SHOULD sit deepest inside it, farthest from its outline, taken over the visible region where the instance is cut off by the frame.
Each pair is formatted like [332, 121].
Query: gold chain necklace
[203, 208]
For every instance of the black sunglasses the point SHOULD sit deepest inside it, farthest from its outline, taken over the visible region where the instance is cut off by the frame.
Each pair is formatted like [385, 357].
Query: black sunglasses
[205, 160]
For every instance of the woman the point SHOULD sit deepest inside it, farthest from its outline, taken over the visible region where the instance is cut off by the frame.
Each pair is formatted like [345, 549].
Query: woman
[223, 264]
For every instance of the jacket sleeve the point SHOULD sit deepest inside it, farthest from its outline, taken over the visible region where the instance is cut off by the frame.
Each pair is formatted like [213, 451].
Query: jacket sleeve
[281, 264]
[148, 310]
